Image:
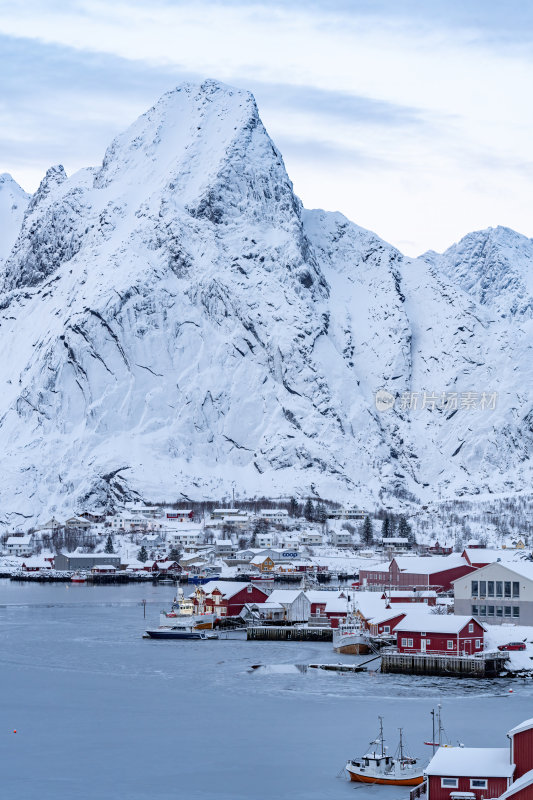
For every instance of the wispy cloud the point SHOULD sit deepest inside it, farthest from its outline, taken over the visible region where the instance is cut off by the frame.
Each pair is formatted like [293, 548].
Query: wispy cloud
[410, 117]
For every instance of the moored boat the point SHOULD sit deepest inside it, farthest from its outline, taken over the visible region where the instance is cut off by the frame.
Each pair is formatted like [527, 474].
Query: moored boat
[179, 632]
[350, 636]
[376, 766]
[78, 578]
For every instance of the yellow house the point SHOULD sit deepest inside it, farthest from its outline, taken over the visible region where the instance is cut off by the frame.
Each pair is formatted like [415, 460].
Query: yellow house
[263, 564]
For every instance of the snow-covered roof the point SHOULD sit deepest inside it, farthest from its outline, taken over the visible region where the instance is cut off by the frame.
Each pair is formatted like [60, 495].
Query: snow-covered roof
[20, 540]
[226, 588]
[523, 568]
[427, 565]
[524, 726]
[434, 623]
[284, 596]
[523, 782]
[335, 604]
[485, 555]
[223, 542]
[471, 762]
[410, 593]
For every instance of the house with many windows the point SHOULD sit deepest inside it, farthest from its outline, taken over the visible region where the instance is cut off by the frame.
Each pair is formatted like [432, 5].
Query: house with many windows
[440, 634]
[499, 592]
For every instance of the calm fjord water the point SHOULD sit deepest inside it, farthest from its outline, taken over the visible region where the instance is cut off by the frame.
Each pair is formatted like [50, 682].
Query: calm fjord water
[102, 713]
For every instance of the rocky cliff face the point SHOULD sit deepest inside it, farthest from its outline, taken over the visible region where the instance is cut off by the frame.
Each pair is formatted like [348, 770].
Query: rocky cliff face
[174, 323]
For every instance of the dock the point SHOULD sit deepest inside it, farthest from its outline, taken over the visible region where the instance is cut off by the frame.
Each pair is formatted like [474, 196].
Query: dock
[289, 634]
[490, 665]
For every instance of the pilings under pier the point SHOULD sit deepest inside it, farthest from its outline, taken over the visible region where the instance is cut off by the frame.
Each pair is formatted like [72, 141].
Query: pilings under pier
[289, 634]
[488, 666]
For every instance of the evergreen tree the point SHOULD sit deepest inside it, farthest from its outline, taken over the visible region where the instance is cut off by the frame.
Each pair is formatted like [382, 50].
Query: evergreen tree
[321, 513]
[109, 545]
[309, 512]
[175, 554]
[405, 531]
[367, 532]
[294, 508]
[385, 528]
[143, 555]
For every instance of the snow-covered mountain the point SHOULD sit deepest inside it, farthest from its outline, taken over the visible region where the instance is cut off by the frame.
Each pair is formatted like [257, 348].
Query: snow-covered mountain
[13, 204]
[173, 323]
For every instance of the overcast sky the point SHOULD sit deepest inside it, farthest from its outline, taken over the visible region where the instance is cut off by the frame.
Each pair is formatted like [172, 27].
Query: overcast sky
[412, 117]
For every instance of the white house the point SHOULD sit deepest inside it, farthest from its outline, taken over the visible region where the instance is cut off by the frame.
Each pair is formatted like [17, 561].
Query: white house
[499, 592]
[342, 539]
[347, 513]
[264, 539]
[224, 547]
[294, 602]
[311, 538]
[276, 515]
[19, 545]
[185, 538]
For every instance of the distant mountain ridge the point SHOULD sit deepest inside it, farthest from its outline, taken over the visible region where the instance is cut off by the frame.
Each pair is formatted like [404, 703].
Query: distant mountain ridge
[174, 323]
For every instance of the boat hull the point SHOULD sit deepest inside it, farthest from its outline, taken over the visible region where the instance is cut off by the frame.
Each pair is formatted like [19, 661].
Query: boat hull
[412, 780]
[354, 649]
[170, 634]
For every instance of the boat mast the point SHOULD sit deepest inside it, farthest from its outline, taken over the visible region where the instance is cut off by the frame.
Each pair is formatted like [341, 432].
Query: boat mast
[381, 736]
[433, 730]
[440, 725]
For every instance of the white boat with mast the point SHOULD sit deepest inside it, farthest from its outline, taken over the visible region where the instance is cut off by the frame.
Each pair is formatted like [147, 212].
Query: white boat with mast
[350, 636]
[183, 613]
[376, 766]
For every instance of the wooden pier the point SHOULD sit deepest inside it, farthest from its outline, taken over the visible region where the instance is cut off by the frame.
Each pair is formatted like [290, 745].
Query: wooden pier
[489, 666]
[289, 634]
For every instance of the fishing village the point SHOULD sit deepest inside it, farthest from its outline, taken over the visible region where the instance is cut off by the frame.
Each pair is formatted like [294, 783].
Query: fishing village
[365, 590]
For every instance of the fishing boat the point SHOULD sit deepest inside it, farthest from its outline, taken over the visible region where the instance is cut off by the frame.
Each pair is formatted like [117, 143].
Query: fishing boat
[376, 766]
[183, 612]
[180, 632]
[350, 636]
[78, 578]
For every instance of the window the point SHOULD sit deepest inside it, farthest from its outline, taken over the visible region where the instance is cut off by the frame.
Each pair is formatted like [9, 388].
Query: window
[490, 588]
[450, 644]
[250, 589]
[516, 611]
[475, 610]
[404, 642]
[478, 783]
[507, 612]
[483, 611]
[386, 629]
[483, 588]
[471, 627]
[478, 644]
[499, 611]
[490, 611]
[474, 588]
[499, 588]
[449, 783]
[409, 643]
[507, 588]
[516, 589]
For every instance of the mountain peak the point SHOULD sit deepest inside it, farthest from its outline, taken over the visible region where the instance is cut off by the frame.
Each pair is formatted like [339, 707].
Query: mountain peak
[495, 267]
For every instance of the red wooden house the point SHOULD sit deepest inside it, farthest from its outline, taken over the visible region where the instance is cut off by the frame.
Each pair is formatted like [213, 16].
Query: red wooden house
[416, 572]
[386, 622]
[440, 634]
[226, 598]
[429, 597]
[468, 773]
